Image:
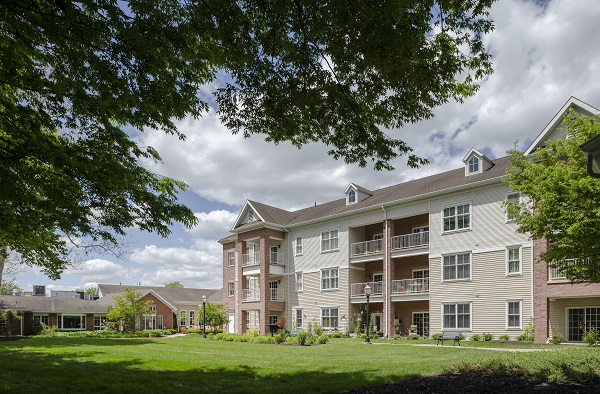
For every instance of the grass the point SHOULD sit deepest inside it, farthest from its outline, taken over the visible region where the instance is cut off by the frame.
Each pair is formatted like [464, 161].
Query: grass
[149, 365]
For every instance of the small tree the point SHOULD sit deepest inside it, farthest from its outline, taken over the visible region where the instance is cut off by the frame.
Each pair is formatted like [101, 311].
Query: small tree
[128, 310]
[8, 318]
[175, 285]
[216, 315]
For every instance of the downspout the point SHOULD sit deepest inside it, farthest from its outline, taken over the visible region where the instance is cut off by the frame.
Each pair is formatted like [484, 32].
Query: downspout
[386, 308]
[287, 268]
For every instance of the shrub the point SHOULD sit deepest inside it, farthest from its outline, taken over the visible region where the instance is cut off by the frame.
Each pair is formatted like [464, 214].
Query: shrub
[436, 336]
[504, 338]
[557, 338]
[487, 337]
[172, 330]
[290, 340]
[253, 332]
[591, 336]
[476, 337]
[527, 335]
[323, 339]
[277, 338]
[318, 329]
[414, 337]
[301, 338]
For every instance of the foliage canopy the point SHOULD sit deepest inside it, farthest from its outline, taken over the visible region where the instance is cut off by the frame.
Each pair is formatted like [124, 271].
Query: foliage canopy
[128, 310]
[564, 198]
[80, 80]
[216, 315]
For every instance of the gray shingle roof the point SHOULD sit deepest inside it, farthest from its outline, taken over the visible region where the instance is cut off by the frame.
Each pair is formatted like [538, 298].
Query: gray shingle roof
[438, 183]
[172, 295]
[51, 304]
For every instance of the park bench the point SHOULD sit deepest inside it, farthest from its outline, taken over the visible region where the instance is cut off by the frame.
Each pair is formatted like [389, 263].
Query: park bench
[449, 335]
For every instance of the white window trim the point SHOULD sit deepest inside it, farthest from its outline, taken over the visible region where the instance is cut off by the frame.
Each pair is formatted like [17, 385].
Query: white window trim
[520, 272]
[479, 165]
[456, 328]
[506, 218]
[301, 246]
[338, 316]
[455, 205]
[338, 239]
[229, 260]
[520, 315]
[470, 278]
[229, 288]
[302, 282]
[321, 279]
[355, 197]
[301, 318]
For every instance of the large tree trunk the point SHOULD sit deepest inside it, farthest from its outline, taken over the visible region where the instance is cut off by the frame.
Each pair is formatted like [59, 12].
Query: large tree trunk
[3, 258]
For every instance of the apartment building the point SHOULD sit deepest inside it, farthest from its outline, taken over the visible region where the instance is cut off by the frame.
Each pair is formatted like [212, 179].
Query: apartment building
[439, 253]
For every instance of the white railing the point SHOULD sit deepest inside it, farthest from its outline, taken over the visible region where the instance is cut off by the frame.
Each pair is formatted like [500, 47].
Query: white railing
[366, 247]
[251, 259]
[277, 258]
[276, 294]
[555, 273]
[358, 289]
[409, 241]
[410, 286]
[251, 295]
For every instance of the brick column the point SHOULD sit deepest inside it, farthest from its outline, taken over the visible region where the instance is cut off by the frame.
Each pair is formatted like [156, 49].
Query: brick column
[240, 318]
[264, 284]
[389, 319]
[540, 293]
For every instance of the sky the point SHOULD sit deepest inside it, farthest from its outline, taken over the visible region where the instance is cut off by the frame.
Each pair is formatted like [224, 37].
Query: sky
[543, 53]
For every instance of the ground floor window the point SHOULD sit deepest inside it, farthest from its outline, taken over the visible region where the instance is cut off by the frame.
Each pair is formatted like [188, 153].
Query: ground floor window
[41, 319]
[161, 322]
[71, 322]
[513, 317]
[99, 322]
[273, 319]
[580, 320]
[298, 318]
[421, 322]
[192, 318]
[252, 320]
[457, 316]
[329, 317]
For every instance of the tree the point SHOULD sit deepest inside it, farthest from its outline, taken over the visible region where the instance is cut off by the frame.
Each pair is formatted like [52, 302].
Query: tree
[563, 204]
[175, 285]
[128, 310]
[216, 315]
[80, 81]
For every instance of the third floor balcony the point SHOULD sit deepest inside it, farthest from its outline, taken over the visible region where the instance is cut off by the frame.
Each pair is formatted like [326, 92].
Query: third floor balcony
[251, 263]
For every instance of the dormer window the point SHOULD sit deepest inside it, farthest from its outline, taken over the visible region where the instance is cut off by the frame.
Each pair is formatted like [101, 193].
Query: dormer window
[474, 165]
[351, 197]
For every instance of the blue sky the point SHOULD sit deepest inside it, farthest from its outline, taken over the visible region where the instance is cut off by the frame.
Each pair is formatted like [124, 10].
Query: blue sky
[543, 53]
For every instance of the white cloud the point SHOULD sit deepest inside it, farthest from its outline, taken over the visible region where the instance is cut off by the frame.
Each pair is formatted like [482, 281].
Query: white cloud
[100, 271]
[212, 223]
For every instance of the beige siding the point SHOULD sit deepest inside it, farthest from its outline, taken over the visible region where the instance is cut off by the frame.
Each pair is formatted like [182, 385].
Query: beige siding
[488, 292]
[558, 312]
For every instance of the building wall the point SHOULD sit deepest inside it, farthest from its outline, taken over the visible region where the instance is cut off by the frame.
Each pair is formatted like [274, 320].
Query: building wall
[161, 309]
[558, 312]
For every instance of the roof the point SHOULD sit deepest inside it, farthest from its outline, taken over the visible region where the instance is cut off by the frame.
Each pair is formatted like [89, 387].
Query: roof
[172, 295]
[52, 304]
[435, 184]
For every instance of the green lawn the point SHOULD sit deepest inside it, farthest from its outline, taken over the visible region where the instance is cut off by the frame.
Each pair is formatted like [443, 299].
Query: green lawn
[191, 363]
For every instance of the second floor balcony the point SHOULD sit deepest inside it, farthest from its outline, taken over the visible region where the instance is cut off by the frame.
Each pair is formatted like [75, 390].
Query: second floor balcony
[251, 263]
[410, 286]
[358, 289]
[366, 248]
[252, 295]
[410, 241]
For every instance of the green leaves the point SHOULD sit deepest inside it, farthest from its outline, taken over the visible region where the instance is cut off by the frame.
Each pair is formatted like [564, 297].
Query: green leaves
[565, 200]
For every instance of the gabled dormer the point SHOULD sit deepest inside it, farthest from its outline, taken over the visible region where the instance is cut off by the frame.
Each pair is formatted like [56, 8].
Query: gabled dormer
[476, 162]
[355, 193]
[248, 215]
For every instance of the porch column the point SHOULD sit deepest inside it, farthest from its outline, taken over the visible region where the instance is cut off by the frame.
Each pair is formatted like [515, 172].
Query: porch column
[389, 269]
[540, 293]
[240, 318]
[264, 284]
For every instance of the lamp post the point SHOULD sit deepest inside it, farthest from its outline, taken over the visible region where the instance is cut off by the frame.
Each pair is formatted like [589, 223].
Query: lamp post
[204, 318]
[368, 294]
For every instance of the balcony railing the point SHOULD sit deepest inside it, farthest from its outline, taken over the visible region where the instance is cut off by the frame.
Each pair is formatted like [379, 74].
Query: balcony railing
[409, 241]
[276, 294]
[555, 273]
[410, 286]
[366, 247]
[251, 295]
[277, 258]
[251, 259]
[358, 289]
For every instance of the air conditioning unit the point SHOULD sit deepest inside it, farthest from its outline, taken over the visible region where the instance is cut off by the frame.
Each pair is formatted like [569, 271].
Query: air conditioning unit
[39, 291]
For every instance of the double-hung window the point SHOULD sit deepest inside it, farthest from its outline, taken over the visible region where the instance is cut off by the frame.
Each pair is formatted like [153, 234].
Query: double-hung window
[457, 316]
[457, 266]
[329, 240]
[474, 165]
[511, 199]
[231, 258]
[330, 279]
[99, 322]
[231, 287]
[329, 317]
[457, 217]
[298, 318]
[513, 314]
[299, 281]
[299, 246]
[513, 260]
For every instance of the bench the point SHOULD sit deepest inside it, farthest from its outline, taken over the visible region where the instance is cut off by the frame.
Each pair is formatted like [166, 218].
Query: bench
[449, 335]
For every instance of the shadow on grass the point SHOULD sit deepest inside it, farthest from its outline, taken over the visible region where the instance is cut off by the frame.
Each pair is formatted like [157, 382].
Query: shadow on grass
[27, 371]
[53, 342]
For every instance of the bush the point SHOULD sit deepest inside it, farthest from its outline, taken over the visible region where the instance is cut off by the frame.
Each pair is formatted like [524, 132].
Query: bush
[436, 336]
[318, 329]
[277, 338]
[487, 337]
[475, 337]
[414, 337]
[323, 339]
[301, 338]
[312, 339]
[591, 336]
[504, 338]
[557, 338]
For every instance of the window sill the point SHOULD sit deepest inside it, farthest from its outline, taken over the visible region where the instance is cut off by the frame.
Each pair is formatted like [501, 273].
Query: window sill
[329, 251]
[461, 230]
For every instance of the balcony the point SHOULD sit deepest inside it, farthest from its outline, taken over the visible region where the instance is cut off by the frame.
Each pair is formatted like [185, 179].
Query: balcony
[358, 289]
[276, 294]
[410, 241]
[250, 295]
[410, 290]
[558, 274]
[251, 263]
[251, 259]
[366, 248]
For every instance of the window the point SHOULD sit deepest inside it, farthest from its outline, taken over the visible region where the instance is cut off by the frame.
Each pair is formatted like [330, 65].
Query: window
[457, 217]
[41, 319]
[231, 258]
[192, 318]
[71, 322]
[251, 216]
[457, 316]
[298, 318]
[299, 281]
[513, 257]
[580, 320]
[329, 240]
[231, 287]
[329, 279]
[511, 199]
[299, 249]
[329, 317]
[457, 266]
[252, 320]
[513, 314]
[473, 164]
[351, 197]
[99, 322]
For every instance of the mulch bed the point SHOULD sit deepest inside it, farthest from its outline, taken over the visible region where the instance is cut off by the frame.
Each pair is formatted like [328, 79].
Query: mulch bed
[471, 383]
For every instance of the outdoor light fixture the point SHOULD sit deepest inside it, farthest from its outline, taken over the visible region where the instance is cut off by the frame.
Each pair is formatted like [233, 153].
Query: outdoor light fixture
[368, 294]
[204, 318]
